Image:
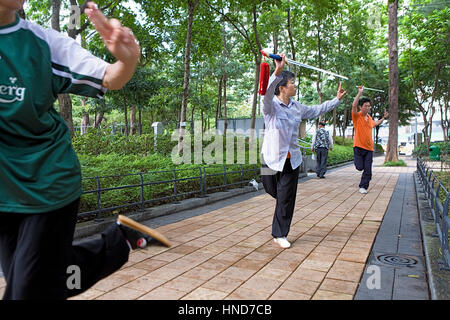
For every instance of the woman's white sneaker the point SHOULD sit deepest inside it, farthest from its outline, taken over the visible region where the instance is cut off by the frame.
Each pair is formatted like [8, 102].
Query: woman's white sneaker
[282, 242]
[362, 190]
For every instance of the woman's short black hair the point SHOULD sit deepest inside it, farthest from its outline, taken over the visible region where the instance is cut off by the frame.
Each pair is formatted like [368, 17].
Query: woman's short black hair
[287, 75]
[362, 101]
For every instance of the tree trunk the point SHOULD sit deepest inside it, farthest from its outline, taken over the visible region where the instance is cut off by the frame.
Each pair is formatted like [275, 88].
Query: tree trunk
[291, 38]
[192, 119]
[392, 154]
[203, 125]
[319, 80]
[140, 121]
[377, 130]
[255, 97]
[225, 114]
[187, 61]
[85, 123]
[65, 103]
[125, 112]
[133, 120]
[339, 54]
[99, 119]
[345, 122]
[225, 54]
[426, 124]
[302, 126]
[219, 101]
[275, 41]
[257, 56]
[444, 118]
[85, 119]
[65, 110]
[433, 96]
[430, 127]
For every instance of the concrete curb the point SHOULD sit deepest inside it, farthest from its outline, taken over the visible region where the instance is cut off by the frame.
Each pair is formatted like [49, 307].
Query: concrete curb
[437, 279]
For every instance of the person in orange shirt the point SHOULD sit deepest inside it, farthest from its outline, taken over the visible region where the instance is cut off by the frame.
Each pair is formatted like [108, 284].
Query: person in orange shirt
[363, 141]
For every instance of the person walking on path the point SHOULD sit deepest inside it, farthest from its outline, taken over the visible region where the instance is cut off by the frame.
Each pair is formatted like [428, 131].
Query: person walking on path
[363, 142]
[321, 143]
[280, 149]
[40, 175]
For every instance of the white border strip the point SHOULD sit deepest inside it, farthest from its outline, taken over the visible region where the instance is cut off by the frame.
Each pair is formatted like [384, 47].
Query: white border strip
[13, 28]
[77, 81]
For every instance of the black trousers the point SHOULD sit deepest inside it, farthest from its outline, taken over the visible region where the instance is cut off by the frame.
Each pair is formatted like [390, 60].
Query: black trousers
[39, 260]
[321, 161]
[363, 162]
[283, 187]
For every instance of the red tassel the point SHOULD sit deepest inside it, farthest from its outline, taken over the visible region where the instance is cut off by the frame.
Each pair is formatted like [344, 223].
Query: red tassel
[264, 78]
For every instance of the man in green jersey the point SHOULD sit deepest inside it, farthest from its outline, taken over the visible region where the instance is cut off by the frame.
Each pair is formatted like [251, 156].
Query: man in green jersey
[40, 176]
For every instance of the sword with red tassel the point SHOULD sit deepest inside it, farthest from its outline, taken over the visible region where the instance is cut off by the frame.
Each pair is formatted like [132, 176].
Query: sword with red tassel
[265, 71]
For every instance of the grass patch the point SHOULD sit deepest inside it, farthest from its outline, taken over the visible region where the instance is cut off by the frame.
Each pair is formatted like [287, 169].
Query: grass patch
[399, 163]
[444, 179]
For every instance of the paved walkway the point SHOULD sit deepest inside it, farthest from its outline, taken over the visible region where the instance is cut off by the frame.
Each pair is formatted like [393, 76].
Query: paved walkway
[228, 253]
[397, 253]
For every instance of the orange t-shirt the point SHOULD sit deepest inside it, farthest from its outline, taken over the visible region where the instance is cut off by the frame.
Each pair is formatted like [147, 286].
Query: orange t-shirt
[363, 131]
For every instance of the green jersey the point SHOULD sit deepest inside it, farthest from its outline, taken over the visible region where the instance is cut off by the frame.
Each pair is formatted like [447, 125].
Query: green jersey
[39, 171]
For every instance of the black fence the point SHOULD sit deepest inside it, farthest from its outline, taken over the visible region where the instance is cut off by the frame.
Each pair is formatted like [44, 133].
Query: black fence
[438, 199]
[137, 191]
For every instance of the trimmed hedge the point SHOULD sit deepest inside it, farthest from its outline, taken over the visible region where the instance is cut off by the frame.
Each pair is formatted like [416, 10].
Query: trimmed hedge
[115, 170]
[340, 154]
[120, 161]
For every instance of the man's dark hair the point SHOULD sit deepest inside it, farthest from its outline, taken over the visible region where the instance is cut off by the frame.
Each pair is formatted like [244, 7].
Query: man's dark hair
[321, 123]
[362, 101]
[287, 75]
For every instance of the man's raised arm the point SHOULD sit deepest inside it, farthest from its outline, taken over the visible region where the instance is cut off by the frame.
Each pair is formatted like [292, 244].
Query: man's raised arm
[355, 101]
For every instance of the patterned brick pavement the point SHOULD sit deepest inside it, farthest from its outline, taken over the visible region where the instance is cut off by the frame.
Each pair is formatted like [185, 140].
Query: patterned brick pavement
[229, 253]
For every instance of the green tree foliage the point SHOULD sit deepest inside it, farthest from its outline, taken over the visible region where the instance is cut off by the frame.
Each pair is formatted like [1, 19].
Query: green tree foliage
[347, 37]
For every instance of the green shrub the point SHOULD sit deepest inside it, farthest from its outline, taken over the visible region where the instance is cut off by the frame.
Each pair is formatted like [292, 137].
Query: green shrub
[421, 150]
[347, 142]
[379, 148]
[399, 163]
[115, 171]
[339, 154]
[444, 146]
[95, 142]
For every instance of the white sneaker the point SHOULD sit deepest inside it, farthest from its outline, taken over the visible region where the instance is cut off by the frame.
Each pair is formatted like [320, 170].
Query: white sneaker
[282, 242]
[362, 190]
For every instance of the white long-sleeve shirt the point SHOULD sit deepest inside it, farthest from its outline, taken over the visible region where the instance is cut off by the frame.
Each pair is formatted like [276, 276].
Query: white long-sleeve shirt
[282, 123]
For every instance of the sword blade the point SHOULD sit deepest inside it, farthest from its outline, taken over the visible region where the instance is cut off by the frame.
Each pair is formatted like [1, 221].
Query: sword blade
[367, 88]
[314, 68]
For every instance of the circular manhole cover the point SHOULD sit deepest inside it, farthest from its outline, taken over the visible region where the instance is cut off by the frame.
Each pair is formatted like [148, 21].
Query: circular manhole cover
[397, 260]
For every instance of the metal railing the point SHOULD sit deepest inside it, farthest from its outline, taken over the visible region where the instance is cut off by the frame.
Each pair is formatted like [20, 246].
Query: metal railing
[434, 189]
[158, 187]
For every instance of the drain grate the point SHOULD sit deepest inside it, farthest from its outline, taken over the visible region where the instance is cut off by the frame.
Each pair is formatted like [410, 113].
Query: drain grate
[397, 260]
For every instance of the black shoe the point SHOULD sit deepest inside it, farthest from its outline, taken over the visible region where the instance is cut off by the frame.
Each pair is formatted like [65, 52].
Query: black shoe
[322, 177]
[135, 238]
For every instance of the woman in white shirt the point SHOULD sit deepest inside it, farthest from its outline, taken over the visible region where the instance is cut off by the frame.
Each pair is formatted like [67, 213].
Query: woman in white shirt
[280, 150]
